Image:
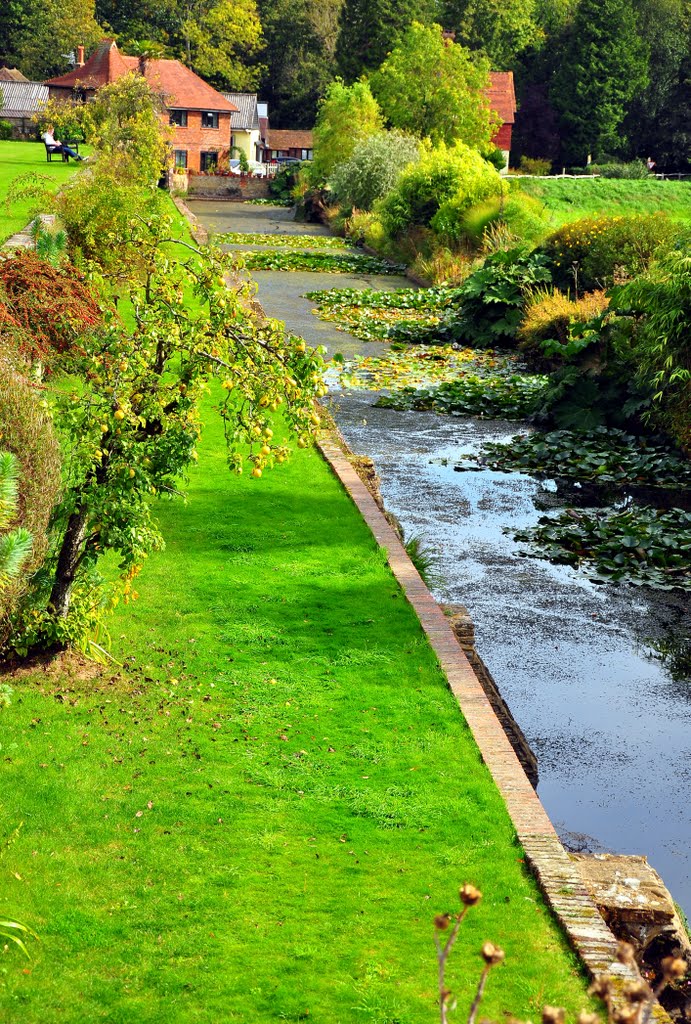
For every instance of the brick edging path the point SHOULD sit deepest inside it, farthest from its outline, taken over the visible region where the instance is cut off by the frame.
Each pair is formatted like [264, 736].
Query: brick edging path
[556, 874]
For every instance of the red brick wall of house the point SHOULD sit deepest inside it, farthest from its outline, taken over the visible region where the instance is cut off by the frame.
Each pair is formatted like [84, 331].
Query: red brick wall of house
[502, 140]
[195, 140]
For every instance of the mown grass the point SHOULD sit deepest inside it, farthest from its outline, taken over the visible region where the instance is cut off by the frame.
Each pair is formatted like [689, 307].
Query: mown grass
[315, 794]
[17, 159]
[571, 198]
[257, 818]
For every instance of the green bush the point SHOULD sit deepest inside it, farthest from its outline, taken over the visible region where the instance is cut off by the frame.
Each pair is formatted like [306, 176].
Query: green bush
[597, 252]
[537, 167]
[660, 301]
[633, 170]
[523, 217]
[27, 433]
[549, 331]
[5, 130]
[493, 298]
[373, 169]
[281, 187]
[438, 189]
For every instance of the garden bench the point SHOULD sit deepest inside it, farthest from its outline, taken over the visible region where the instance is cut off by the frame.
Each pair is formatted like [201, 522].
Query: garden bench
[52, 151]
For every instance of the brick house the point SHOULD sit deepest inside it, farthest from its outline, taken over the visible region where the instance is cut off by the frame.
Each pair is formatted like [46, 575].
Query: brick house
[502, 100]
[288, 144]
[197, 116]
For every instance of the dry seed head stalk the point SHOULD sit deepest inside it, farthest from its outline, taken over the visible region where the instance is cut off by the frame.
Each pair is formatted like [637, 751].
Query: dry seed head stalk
[469, 895]
[626, 954]
[587, 1018]
[441, 922]
[601, 987]
[673, 968]
[492, 954]
[553, 1015]
[626, 1015]
[637, 992]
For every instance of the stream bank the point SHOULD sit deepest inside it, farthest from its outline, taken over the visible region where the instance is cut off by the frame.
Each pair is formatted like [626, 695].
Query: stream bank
[575, 661]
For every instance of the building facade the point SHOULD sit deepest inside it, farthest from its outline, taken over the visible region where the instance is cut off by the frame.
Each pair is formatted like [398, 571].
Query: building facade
[197, 116]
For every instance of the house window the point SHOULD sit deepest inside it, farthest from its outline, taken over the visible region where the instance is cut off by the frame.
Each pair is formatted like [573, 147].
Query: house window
[208, 161]
[178, 118]
[209, 119]
[180, 158]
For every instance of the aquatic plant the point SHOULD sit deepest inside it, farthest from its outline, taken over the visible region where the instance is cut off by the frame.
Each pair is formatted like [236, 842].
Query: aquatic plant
[511, 397]
[282, 241]
[641, 545]
[324, 263]
[602, 455]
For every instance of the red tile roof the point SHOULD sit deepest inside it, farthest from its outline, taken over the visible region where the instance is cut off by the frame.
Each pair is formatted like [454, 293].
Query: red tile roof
[105, 65]
[280, 139]
[178, 85]
[501, 95]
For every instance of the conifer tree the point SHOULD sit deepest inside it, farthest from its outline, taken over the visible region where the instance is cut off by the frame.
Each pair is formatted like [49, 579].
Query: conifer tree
[603, 67]
[370, 29]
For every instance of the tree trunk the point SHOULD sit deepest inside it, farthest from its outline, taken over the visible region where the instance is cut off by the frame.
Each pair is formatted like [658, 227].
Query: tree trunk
[68, 562]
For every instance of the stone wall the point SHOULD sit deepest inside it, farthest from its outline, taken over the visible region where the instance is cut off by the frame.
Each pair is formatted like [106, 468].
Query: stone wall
[234, 186]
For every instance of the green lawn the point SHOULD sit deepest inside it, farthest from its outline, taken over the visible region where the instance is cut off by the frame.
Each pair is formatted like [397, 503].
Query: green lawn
[568, 199]
[16, 159]
[264, 820]
[257, 819]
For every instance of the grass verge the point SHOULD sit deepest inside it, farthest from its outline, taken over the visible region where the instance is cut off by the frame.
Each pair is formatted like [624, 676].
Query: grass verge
[569, 199]
[257, 818]
[260, 816]
[17, 159]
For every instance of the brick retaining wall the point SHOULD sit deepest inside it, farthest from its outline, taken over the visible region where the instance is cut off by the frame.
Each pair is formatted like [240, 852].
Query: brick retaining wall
[234, 186]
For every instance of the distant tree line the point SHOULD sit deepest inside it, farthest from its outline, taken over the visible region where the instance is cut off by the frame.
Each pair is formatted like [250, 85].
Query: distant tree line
[607, 78]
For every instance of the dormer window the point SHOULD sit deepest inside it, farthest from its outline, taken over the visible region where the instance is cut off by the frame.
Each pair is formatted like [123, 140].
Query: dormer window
[209, 119]
[178, 118]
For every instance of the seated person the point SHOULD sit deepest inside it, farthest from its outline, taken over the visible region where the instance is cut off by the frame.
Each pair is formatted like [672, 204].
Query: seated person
[55, 146]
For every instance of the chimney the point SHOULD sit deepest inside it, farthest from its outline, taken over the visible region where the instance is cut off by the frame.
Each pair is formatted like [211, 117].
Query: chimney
[80, 57]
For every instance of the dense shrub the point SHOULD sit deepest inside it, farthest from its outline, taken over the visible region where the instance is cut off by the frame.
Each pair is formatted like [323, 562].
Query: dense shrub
[281, 187]
[523, 217]
[661, 302]
[546, 333]
[597, 252]
[633, 170]
[51, 306]
[493, 297]
[5, 130]
[538, 168]
[373, 169]
[438, 189]
[27, 433]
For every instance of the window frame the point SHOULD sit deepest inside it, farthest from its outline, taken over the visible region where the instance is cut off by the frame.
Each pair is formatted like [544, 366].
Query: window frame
[178, 165]
[204, 163]
[172, 118]
[213, 114]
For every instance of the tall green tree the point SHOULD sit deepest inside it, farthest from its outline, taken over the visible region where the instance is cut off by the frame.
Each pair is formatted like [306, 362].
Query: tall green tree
[369, 31]
[347, 115]
[664, 24]
[502, 29]
[603, 66]
[300, 57]
[432, 87]
[220, 39]
[52, 29]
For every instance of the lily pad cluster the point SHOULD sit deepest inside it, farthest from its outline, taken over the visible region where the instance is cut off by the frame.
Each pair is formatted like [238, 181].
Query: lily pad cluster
[402, 368]
[279, 241]
[372, 315]
[499, 396]
[322, 262]
[641, 545]
[602, 455]
[269, 202]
